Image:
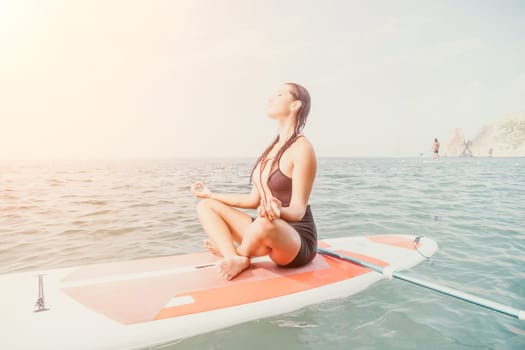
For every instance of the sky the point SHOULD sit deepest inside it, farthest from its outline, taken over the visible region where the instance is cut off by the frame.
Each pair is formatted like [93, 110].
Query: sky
[135, 79]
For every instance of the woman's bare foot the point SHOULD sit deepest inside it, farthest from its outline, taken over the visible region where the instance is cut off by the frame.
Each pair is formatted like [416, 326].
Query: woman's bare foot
[231, 267]
[212, 247]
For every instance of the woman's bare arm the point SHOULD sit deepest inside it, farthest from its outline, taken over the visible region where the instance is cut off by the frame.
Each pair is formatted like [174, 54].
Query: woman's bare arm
[245, 201]
[303, 175]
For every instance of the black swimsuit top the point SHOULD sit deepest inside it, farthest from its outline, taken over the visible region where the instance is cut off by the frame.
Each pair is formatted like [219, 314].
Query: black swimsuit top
[278, 183]
[281, 187]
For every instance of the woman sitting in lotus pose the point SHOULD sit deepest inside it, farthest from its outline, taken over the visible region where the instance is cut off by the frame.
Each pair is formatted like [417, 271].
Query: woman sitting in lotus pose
[282, 180]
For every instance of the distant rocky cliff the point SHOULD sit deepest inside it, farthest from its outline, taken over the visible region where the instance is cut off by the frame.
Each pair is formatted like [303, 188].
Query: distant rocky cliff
[504, 137]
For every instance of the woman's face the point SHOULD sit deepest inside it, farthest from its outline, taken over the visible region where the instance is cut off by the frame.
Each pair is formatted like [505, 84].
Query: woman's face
[279, 104]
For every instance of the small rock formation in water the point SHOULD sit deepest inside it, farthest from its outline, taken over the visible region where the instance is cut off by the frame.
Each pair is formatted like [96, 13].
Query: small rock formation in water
[504, 137]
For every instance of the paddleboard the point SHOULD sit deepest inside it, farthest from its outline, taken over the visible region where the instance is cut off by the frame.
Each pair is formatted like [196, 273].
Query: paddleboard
[142, 303]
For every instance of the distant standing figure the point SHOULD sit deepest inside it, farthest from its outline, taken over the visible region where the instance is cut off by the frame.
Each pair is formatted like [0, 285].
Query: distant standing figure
[435, 148]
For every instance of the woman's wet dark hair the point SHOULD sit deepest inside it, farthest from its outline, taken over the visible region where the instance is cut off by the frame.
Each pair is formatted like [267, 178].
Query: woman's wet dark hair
[299, 93]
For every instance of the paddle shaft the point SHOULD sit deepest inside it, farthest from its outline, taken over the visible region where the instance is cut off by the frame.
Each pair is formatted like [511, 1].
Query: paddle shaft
[488, 304]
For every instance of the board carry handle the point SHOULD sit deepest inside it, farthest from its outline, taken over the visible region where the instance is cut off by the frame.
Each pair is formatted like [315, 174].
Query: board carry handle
[390, 273]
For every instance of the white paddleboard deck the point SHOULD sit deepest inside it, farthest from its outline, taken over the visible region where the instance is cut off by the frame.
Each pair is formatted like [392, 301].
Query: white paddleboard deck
[140, 303]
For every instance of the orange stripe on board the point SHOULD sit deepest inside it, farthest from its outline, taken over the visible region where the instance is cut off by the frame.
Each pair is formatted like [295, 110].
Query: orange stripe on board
[322, 244]
[140, 299]
[239, 294]
[397, 241]
[145, 299]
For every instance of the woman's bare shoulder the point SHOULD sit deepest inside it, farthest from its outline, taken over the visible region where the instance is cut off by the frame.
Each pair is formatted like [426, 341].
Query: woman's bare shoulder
[302, 144]
[302, 148]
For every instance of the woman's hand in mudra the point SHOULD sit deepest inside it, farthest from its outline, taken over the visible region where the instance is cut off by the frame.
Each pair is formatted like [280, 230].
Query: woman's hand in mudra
[271, 209]
[200, 190]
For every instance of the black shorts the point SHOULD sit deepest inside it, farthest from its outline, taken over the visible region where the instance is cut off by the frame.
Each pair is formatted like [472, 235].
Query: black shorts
[308, 233]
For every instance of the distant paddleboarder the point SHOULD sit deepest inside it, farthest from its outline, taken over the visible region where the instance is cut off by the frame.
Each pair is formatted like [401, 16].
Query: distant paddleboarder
[435, 148]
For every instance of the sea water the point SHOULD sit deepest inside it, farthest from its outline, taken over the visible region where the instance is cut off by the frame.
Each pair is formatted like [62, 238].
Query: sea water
[65, 213]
